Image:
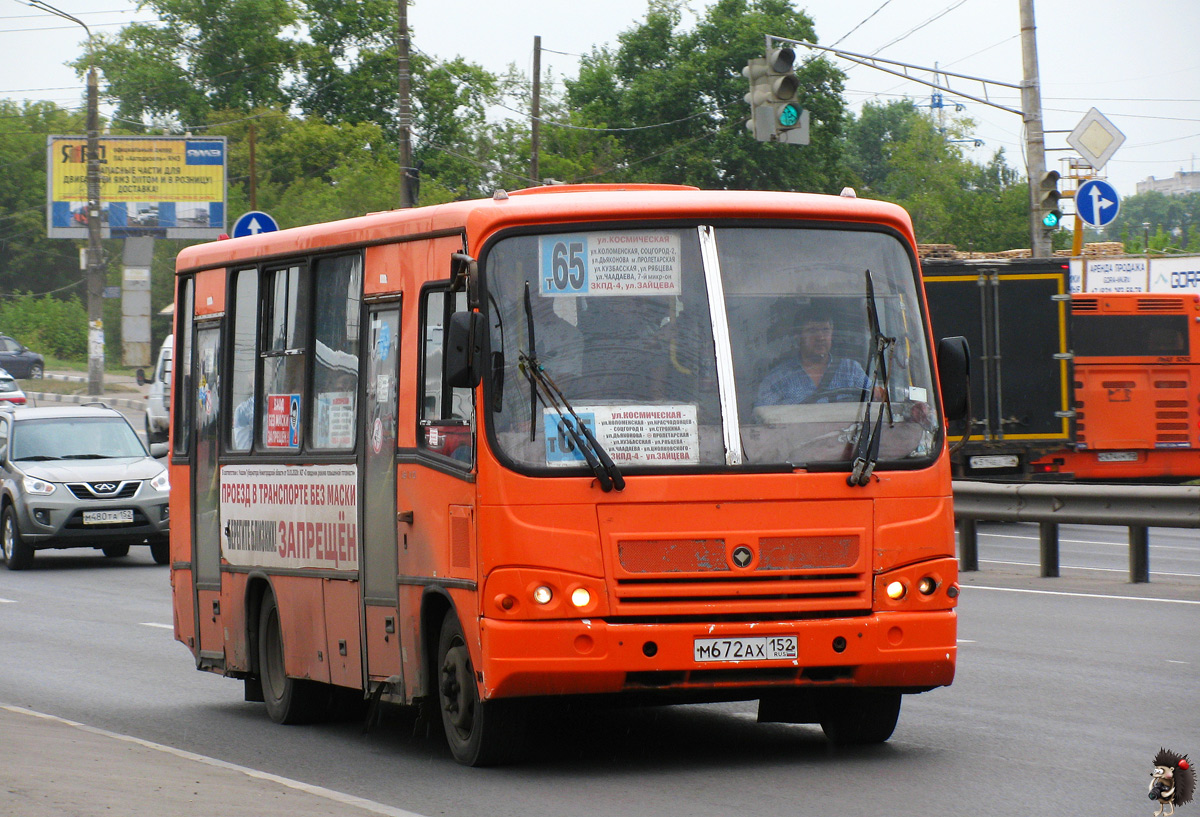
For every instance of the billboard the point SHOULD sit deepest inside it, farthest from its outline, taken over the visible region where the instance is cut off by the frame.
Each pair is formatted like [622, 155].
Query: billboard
[153, 186]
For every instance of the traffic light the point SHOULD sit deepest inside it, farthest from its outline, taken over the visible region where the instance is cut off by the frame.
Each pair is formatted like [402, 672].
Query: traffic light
[775, 109]
[1047, 200]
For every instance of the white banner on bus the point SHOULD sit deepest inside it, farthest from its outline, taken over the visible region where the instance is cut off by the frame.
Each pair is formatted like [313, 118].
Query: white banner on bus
[290, 516]
[632, 435]
[640, 262]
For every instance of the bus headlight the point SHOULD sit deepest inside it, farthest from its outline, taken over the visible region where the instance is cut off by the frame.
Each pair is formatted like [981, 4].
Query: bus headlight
[896, 590]
[543, 594]
[580, 597]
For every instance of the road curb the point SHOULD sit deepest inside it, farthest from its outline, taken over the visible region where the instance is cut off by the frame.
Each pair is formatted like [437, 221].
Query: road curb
[114, 402]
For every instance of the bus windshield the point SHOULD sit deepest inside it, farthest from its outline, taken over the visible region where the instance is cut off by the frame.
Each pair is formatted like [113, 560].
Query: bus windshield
[708, 347]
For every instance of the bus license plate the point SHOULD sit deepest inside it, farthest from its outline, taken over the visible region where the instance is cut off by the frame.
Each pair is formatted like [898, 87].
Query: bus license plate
[766, 648]
[107, 517]
[1117, 456]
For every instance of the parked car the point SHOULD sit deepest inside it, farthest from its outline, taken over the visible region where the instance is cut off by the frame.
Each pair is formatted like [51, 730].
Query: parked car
[19, 361]
[10, 390]
[78, 477]
[158, 398]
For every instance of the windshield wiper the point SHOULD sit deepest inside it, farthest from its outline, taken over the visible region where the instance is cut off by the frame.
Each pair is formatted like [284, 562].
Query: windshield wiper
[543, 388]
[90, 457]
[37, 458]
[866, 450]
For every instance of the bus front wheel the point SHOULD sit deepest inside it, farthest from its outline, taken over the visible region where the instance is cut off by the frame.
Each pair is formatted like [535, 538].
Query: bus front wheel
[288, 700]
[480, 733]
[860, 716]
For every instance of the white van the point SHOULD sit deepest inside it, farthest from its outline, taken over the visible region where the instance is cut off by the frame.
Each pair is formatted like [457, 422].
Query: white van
[158, 400]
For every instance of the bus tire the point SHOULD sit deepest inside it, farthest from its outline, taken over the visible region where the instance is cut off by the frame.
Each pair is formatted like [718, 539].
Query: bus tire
[288, 700]
[479, 733]
[855, 717]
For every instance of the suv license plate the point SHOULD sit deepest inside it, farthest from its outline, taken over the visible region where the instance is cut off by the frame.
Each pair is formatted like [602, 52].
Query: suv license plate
[107, 517]
[767, 648]
[1117, 456]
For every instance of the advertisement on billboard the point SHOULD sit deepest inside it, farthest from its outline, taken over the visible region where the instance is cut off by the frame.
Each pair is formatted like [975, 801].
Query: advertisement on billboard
[152, 186]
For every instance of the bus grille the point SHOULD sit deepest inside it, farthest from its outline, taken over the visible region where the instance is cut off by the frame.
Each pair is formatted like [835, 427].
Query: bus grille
[792, 575]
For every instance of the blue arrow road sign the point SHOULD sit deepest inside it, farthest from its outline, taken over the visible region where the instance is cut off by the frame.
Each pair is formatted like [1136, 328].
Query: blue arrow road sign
[1097, 202]
[253, 223]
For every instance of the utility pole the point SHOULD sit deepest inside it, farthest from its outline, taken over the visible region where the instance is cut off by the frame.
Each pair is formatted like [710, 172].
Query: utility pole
[95, 252]
[406, 169]
[1035, 141]
[536, 110]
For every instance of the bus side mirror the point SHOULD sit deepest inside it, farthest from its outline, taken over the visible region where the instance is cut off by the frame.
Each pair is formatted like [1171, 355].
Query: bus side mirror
[464, 350]
[954, 372]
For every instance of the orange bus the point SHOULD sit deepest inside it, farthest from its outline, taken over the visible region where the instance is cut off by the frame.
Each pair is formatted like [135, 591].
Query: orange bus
[1137, 381]
[470, 455]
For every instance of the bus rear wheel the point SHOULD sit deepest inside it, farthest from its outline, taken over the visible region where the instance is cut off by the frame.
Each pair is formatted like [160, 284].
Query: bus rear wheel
[855, 717]
[480, 733]
[288, 700]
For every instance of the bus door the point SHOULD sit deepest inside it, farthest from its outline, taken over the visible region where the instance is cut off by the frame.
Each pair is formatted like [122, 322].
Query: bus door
[436, 486]
[378, 491]
[206, 522]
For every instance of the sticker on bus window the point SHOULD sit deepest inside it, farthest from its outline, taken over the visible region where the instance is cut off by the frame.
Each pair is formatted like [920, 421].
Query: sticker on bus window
[335, 419]
[290, 516]
[613, 263]
[632, 435]
[283, 421]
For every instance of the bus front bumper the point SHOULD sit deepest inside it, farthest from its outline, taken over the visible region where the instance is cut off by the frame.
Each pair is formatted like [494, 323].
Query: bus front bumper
[913, 651]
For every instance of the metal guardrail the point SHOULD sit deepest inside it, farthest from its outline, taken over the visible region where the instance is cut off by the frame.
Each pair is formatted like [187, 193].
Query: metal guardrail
[1136, 507]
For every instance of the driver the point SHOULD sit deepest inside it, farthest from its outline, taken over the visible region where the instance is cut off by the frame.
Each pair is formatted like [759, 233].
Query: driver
[812, 374]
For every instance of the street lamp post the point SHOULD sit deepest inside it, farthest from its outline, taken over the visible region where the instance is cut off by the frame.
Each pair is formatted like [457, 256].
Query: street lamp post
[95, 261]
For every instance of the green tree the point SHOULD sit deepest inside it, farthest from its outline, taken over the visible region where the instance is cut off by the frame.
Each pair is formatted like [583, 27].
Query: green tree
[202, 56]
[674, 101]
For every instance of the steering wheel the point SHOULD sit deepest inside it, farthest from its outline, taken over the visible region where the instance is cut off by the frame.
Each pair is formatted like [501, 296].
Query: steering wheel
[833, 394]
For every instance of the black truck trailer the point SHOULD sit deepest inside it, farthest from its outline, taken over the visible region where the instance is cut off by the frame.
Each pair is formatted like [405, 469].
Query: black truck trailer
[1015, 313]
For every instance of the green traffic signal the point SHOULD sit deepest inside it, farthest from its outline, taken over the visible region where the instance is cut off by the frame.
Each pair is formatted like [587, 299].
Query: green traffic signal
[789, 115]
[1052, 219]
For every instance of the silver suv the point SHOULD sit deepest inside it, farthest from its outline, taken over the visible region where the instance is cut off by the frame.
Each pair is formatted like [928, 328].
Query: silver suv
[79, 477]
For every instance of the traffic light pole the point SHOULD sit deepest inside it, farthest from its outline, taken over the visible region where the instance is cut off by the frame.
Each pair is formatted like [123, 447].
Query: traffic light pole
[1035, 141]
[1042, 188]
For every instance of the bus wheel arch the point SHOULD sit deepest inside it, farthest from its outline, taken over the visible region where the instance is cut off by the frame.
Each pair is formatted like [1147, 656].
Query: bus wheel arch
[288, 700]
[478, 732]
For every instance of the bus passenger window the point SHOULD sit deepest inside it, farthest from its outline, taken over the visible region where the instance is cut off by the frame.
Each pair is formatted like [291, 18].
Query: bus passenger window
[283, 353]
[245, 355]
[338, 285]
[447, 414]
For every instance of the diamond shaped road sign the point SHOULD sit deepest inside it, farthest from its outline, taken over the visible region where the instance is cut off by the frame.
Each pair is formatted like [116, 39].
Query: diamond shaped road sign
[1096, 138]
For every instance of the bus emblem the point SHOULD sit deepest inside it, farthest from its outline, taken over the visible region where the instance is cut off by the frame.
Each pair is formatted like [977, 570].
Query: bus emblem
[742, 556]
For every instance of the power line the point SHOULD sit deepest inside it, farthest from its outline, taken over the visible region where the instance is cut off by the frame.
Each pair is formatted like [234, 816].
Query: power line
[860, 25]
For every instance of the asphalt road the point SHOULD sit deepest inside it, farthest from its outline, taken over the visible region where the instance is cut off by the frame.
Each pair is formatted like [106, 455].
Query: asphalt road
[1065, 690]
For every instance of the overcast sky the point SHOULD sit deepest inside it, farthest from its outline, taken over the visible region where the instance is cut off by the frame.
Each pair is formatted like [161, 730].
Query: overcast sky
[1138, 63]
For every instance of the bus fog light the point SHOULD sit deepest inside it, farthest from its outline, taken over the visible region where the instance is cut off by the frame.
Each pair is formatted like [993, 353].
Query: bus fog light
[926, 586]
[543, 594]
[580, 597]
[895, 590]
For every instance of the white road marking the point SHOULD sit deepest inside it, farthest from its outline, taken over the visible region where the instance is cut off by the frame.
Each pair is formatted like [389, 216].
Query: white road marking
[1081, 595]
[966, 641]
[1079, 567]
[8, 601]
[159, 626]
[307, 788]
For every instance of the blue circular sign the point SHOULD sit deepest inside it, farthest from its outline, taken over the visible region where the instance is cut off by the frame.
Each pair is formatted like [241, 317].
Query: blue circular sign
[253, 223]
[1097, 202]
